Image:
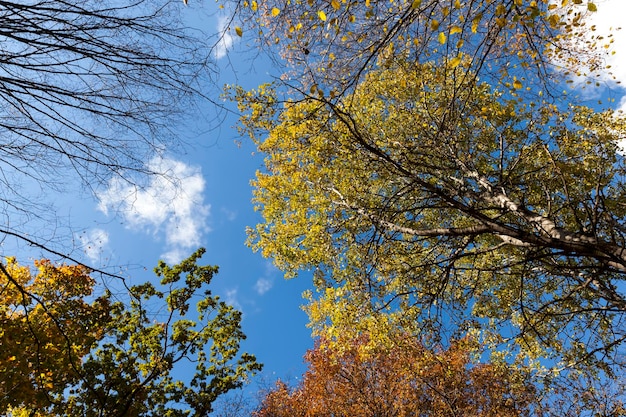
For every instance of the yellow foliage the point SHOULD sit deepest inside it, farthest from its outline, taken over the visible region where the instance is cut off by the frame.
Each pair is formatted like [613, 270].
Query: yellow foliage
[46, 328]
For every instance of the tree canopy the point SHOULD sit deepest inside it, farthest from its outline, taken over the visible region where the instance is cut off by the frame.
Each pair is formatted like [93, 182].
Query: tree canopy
[329, 46]
[507, 212]
[403, 379]
[66, 353]
[433, 174]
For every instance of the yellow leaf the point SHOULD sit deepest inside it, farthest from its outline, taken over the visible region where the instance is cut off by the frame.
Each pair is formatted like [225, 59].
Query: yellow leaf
[416, 4]
[455, 29]
[238, 31]
[442, 38]
[275, 11]
[475, 23]
[455, 62]
[254, 6]
[457, 4]
[321, 15]
[592, 7]
[517, 84]
[434, 24]
[554, 20]
[335, 4]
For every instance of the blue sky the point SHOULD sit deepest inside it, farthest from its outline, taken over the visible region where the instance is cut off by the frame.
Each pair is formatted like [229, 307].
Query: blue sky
[208, 204]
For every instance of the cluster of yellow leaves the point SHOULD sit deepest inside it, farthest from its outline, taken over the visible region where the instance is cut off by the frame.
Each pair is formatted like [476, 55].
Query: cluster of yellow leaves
[46, 327]
[358, 191]
[427, 172]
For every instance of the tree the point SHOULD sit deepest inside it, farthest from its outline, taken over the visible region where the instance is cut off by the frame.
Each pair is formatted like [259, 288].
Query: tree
[429, 167]
[403, 379]
[64, 356]
[450, 207]
[88, 91]
[329, 46]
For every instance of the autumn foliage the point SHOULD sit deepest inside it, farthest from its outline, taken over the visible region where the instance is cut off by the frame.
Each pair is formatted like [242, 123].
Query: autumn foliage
[64, 352]
[405, 379]
[46, 328]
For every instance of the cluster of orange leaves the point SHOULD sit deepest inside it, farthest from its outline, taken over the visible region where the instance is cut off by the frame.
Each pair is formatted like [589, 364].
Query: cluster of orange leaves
[406, 379]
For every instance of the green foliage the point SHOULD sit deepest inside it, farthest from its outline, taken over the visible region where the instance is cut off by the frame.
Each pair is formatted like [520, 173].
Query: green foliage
[133, 366]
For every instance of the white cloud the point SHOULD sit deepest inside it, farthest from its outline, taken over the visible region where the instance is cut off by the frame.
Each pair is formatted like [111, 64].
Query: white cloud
[229, 214]
[263, 285]
[226, 39]
[171, 203]
[266, 282]
[230, 298]
[93, 243]
[604, 28]
[622, 104]
[608, 22]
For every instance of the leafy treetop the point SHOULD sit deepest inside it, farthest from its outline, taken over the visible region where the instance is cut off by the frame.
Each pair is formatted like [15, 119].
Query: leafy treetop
[63, 356]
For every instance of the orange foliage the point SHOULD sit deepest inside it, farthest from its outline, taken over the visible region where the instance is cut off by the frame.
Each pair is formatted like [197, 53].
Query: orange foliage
[404, 380]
